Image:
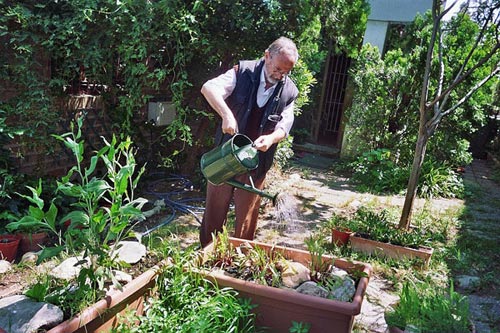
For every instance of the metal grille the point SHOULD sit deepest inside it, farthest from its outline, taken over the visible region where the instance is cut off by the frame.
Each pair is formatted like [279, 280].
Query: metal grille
[333, 99]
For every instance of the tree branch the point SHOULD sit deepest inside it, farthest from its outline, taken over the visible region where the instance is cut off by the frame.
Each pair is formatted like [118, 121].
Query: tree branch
[471, 70]
[472, 91]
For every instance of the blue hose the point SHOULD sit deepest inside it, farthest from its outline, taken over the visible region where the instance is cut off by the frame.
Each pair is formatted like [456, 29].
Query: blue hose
[174, 199]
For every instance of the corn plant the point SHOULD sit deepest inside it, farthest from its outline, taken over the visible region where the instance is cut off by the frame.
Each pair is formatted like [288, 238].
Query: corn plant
[104, 207]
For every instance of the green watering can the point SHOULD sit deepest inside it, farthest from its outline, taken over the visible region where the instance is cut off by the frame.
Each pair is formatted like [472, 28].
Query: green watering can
[233, 158]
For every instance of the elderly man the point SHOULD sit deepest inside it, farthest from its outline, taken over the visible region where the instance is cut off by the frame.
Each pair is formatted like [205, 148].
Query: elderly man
[254, 98]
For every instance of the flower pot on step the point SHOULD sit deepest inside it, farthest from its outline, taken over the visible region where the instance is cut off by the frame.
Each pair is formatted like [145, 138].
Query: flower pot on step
[277, 308]
[33, 242]
[8, 247]
[102, 316]
[369, 246]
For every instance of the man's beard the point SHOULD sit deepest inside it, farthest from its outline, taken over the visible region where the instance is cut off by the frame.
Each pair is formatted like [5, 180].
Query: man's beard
[271, 80]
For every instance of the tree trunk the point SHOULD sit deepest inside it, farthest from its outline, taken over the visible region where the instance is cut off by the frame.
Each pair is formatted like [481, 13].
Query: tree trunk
[411, 191]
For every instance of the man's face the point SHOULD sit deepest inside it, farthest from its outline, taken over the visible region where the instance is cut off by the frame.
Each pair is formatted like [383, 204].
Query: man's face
[278, 66]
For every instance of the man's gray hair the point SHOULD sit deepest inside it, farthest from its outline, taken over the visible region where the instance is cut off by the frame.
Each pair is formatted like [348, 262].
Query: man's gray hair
[283, 45]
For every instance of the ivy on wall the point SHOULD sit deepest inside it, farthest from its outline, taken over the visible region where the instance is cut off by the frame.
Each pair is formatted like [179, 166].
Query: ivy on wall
[131, 51]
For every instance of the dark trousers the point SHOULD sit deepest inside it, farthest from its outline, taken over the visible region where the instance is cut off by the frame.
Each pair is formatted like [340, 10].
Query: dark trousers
[246, 205]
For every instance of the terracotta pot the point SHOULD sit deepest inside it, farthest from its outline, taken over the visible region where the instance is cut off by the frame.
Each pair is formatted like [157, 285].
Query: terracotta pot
[277, 308]
[102, 316]
[8, 247]
[369, 246]
[341, 237]
[33, 242]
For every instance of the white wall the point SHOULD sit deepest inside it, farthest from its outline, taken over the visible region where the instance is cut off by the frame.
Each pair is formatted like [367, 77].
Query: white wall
[384, 12]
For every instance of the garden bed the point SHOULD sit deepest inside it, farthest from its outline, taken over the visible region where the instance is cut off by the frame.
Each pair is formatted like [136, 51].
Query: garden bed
[277, 308]
[103, 315]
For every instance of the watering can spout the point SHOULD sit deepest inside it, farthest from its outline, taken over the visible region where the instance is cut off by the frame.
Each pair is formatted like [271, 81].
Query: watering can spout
[254, 190]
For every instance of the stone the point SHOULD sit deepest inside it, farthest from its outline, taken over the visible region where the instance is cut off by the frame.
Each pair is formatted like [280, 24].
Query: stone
[158, 206]
[338, 272]
[5, 266]
[20, 314]
[29, 257]
[122, 276]
[313, 289]
[68, 269]
[345, 290]
[130, 252]
[294, 273]
[468, 282]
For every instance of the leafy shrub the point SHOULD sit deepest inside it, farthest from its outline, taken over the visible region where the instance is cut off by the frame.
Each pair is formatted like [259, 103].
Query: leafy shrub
[430, 310]
[283, 153]
[439, 181]
[376, 171]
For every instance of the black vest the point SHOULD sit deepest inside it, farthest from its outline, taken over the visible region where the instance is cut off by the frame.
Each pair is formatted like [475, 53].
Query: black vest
[244, 99]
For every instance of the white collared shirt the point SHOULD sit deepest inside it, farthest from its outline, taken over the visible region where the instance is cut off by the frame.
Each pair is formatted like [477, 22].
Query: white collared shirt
[226, 82]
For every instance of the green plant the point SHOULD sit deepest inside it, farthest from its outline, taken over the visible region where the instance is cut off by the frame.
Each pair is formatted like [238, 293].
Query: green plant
[38, 217]
[379, 226]
[246, 262]
[283, 153]
[430, 309]
[104, 207]
[185, 302]
[69, 297]
[317, 265]
[265, 267]
[300, 135]
[299, 327]
[439, 180]
[339, 222]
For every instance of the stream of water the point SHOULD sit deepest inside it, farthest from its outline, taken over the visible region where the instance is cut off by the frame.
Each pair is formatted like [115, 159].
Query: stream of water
[286, 211]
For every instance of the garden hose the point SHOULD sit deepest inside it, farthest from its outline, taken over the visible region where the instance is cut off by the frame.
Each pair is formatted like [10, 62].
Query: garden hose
[175, 199]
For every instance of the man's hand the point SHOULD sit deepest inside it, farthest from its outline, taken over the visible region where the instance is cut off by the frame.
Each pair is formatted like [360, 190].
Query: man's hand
[229, 124]
[264, 142]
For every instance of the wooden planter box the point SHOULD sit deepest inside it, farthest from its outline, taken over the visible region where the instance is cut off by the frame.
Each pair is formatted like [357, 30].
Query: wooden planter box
[102, 316]
[277, 308]
[369, 246]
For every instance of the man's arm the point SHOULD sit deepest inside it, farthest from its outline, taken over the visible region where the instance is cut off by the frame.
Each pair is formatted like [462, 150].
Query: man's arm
[216, 91]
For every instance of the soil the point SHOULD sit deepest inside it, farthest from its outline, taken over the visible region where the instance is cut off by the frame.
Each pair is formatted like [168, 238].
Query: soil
[314, 193]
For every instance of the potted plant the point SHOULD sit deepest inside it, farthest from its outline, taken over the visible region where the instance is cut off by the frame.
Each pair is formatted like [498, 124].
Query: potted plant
[277, 307]
[9, 243]
[429, 309]
[342, 229]
[8, 247]
[34, 226]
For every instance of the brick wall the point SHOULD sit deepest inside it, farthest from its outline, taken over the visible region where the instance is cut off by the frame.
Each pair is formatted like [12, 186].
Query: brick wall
[55, 159]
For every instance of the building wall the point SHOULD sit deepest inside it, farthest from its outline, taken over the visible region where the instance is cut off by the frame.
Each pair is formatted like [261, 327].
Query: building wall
[384, 12]
[57, 160]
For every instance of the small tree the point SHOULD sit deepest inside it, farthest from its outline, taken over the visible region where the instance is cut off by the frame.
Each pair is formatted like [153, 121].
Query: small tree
[434, 99]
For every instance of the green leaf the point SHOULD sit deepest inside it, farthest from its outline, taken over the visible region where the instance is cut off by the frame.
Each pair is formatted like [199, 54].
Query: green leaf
[49, 252]
[78, 217]
[92, 166]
